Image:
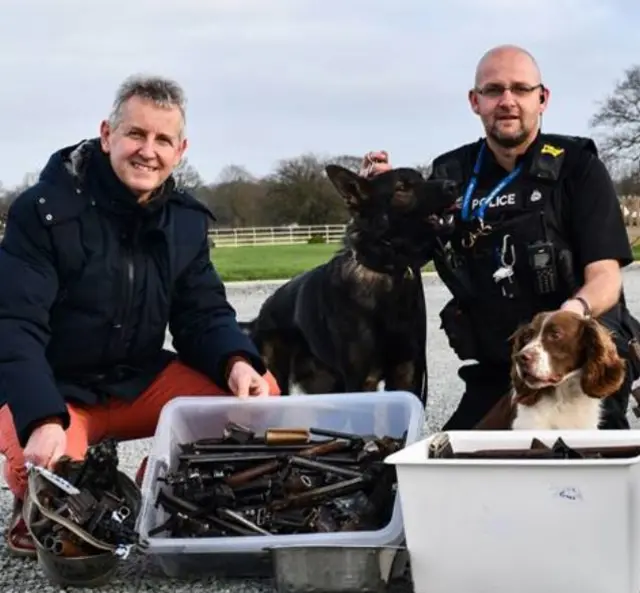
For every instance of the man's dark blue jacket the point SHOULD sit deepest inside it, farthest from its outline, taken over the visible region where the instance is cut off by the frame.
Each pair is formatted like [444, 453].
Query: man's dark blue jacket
[89, 280]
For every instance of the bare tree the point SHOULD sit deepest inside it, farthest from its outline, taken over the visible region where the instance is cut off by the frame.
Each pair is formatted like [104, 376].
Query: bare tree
[235, 173]
[619, 116]
[347, 161]
[425, 170]
[4, 206]
[239, 197]
[299, 192]
[187, 176]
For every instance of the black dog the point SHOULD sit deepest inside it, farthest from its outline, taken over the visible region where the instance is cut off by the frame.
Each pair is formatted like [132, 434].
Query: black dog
[360, 318]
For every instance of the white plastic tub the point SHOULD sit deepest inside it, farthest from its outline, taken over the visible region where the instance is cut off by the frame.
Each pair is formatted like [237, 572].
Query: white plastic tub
[521, 526]
[190, 418]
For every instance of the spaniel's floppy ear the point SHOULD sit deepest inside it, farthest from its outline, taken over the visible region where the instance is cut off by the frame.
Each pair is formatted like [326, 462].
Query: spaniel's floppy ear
[604, 370]
[353, 188]
[517, 338]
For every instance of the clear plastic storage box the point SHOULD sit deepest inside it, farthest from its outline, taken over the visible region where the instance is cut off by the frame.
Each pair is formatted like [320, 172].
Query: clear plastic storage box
[189, 418]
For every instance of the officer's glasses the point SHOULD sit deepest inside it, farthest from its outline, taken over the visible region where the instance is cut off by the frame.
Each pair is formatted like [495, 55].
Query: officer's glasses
[493, 91]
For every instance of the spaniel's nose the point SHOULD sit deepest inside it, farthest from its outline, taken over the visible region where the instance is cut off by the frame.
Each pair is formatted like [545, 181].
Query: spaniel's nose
[525, 356]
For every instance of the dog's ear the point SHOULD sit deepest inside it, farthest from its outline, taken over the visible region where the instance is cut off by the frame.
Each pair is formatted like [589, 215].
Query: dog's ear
[353, 188]
[516, 342]
[604, 369]
[517, 338]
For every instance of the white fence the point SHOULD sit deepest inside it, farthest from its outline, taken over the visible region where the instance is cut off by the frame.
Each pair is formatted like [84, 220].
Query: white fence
[274, 235]
[278, 235]
[333, 233]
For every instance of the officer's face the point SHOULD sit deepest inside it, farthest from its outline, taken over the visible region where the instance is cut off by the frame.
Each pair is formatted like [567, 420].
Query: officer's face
[507, 97]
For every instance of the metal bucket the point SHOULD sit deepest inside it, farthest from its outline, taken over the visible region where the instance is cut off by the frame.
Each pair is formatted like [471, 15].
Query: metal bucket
[93, 570]
[337, 569]
[86, 570]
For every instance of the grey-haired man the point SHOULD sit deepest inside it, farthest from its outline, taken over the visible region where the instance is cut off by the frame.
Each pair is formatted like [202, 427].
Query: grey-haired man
[101, 254]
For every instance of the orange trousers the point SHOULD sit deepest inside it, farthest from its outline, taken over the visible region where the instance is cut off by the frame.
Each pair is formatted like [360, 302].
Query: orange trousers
[120, 420]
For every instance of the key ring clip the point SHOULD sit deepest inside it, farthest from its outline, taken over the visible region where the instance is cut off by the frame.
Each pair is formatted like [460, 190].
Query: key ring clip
[505, 251]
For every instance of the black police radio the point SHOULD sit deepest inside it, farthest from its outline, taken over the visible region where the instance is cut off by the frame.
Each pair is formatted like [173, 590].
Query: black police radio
[542, 261]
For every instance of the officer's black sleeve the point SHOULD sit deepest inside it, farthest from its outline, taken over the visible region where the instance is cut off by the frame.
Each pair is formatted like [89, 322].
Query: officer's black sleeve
[594, 217]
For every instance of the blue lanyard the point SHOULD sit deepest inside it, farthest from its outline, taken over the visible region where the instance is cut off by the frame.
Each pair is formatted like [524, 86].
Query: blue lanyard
[474, 181]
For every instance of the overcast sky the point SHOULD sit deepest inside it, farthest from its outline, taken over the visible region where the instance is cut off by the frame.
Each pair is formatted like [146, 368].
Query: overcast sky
[271, 79]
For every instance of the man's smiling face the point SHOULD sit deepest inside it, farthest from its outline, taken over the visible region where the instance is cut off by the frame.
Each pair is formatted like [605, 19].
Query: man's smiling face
[507, 96]
[144, 145]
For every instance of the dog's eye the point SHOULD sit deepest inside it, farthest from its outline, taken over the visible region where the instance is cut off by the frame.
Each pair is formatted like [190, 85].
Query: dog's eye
[527, 335]
[553, 333]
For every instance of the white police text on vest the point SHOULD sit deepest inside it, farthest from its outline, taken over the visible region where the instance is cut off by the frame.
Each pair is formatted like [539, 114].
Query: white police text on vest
[497, 202]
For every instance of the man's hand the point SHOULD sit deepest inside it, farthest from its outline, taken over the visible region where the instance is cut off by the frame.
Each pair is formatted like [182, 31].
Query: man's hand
[575, 306]
[601, 290]
[46, 445]
[244, 380]
[374, 163]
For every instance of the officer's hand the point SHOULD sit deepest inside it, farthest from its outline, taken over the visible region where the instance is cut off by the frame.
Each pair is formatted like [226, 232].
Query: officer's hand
[245, 381]
[374, 163]
[575, 306]
[46, 445]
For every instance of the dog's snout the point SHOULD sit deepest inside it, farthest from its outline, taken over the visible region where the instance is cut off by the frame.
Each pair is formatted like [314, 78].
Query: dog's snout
[526, 356]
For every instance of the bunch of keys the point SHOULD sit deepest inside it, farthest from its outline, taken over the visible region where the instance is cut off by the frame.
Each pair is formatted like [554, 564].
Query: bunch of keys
[503, 276]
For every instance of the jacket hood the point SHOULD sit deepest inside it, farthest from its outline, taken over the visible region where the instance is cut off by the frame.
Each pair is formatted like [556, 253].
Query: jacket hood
[68, 165]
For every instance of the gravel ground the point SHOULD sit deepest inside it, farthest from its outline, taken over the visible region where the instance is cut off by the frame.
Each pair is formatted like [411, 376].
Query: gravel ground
[139, 574]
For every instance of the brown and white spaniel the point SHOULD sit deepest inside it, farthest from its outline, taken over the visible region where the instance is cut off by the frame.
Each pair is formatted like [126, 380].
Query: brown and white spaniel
[563, 366]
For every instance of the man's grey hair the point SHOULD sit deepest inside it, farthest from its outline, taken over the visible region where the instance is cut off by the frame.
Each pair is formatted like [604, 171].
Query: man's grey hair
[164, 92]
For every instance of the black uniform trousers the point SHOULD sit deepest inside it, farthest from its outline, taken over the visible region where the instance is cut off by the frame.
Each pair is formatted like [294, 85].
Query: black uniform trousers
[485, 384]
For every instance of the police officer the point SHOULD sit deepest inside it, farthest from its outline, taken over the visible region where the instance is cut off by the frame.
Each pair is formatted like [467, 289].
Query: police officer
[538, 228]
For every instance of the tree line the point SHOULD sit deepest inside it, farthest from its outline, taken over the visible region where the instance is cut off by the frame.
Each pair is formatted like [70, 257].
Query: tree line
[298, 192]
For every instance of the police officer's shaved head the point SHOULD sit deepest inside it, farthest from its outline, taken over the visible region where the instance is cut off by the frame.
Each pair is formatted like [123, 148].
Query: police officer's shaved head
[495, 57]
[508, 95]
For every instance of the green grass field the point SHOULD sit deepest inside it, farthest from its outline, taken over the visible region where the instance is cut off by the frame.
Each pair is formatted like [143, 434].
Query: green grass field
[274, 262]
[269, 262]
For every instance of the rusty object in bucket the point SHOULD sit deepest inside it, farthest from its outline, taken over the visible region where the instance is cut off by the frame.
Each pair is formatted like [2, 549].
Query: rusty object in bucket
[284, 436]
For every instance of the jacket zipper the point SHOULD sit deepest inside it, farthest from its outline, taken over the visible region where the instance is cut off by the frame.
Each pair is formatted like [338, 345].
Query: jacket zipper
[130, 270]
[120, 343]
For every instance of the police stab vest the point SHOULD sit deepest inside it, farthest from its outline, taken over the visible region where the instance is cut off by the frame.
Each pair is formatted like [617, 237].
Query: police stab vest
[516, 261]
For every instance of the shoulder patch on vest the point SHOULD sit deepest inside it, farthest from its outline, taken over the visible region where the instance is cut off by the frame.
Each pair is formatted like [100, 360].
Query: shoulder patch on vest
[565, 141]
[547, 162]
[552, 150]
[550, 158]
